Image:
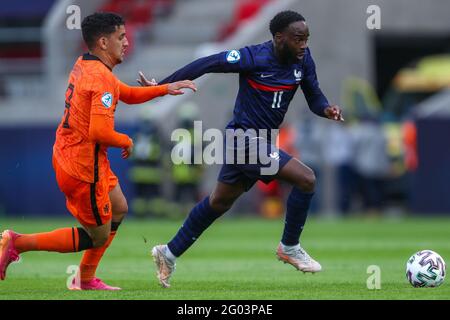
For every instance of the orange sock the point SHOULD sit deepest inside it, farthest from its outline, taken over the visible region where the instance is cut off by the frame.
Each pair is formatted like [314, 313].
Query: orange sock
[59, 240]
[91, 259]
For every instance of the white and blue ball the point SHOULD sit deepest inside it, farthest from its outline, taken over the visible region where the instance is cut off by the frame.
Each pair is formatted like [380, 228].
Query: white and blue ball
[425, 268]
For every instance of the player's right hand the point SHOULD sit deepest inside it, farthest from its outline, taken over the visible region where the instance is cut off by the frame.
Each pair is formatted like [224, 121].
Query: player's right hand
[175, 87]
[143, 81]
[126, 152]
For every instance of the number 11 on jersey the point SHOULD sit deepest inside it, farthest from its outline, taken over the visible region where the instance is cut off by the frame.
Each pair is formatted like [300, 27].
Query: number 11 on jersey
[276, 104]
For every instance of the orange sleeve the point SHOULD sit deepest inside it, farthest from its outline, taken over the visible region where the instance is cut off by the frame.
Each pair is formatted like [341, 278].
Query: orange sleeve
[133, 95]
[101, 130]
[101, 125]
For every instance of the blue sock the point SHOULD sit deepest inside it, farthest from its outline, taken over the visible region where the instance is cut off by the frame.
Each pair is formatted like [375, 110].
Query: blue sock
[199, 219]
[296, 213]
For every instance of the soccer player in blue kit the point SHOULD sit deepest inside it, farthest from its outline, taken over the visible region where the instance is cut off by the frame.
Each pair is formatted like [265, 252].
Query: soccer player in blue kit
[269, 75]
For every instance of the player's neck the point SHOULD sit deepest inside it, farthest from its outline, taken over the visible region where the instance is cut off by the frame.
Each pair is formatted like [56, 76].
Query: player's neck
[282, 60]
[278, 54]
[104, 57]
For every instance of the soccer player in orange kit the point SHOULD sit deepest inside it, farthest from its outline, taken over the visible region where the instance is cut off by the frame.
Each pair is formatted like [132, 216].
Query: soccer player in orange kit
[93, 193]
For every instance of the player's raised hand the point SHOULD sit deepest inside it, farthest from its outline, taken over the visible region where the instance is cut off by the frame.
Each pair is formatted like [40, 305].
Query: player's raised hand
[175, 87]
[334, 113]
[143, 81]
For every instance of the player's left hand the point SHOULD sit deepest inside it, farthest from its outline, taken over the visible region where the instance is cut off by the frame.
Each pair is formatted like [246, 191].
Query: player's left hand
[143, 81]
[126, 152]
[334, 113]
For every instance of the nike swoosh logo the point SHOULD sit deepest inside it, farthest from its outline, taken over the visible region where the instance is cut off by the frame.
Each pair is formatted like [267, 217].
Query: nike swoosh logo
[266, 75]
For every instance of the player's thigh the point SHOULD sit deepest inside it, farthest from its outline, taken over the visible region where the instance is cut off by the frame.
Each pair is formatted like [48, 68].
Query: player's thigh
[118, 202]
[298, 174]
[88, 202]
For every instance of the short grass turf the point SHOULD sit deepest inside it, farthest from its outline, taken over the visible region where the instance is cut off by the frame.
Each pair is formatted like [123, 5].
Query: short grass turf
[235, 259]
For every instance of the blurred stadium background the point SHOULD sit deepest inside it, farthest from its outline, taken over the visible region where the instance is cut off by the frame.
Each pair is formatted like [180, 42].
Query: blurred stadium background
[390, 157]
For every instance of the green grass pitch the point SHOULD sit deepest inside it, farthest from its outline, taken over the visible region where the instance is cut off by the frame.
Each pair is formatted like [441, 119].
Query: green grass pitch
[235, 259]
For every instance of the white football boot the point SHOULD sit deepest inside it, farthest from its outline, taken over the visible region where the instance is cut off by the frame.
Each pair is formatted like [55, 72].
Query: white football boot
[298, 257]
[164, 266]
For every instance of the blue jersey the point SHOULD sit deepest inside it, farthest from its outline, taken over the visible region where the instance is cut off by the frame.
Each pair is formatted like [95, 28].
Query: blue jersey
[266, 87]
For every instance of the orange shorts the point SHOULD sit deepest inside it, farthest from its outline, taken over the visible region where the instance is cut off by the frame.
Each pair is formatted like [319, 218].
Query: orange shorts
[88, 202]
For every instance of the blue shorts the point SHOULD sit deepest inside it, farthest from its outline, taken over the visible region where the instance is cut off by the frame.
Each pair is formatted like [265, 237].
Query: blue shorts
[265, 168]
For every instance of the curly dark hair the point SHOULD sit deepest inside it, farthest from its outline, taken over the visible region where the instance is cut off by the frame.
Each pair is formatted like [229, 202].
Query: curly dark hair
[99, 24]
[283, 19]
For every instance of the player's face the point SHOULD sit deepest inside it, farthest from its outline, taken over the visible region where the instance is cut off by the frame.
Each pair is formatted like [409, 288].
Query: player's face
[294, 41]
[117, 44]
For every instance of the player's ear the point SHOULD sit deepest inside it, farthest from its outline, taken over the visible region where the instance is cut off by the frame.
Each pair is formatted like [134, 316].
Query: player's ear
[278, 37]
[103, 43]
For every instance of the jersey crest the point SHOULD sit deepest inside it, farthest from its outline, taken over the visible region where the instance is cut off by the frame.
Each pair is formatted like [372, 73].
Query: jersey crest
[233, 56]
[107, 99]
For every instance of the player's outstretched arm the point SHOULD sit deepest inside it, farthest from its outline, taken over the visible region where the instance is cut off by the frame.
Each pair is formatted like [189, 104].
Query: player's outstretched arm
[233, 61]
[135, 95]
[143, 81]
[196, 69]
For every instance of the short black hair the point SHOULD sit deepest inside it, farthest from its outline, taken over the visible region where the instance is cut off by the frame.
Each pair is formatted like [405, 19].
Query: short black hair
[283, 19]
[99, 24]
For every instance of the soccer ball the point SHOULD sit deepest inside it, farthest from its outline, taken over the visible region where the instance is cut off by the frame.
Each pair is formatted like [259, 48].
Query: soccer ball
[425, 268]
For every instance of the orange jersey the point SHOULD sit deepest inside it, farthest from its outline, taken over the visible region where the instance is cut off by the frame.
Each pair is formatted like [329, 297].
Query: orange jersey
[93, 89]
[87, 127]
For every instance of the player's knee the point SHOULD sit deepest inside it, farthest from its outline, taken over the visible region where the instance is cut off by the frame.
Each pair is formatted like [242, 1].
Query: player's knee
[220, 204]
[307, 182]
[120, 209]
[99, 240]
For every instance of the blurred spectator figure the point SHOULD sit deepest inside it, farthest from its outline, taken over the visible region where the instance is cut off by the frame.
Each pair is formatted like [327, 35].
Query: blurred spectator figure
[163, 8]
[187, 177]
[357, 173]
[244, 10]
[2, 88]
[371, 162]
[359, 98]
[410, 145]
[411, 157]
[310, 145]
[339, 153]
[146, 172]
